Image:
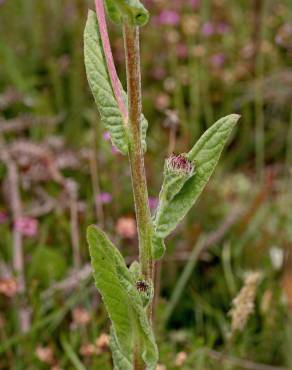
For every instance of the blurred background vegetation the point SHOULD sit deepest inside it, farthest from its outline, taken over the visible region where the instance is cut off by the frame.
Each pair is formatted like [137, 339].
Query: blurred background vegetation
[59, 173]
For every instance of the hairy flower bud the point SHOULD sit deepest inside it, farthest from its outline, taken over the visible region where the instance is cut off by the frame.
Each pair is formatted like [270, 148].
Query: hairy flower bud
[180, 163]
[177, 170]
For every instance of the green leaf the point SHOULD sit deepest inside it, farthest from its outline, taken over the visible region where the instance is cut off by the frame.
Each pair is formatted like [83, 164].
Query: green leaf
[99, 81]
[119, 360]
[135, 270]
[158, 247]
[100, 84]
[131, 11]
[205, 154]
[112, 11]
[122, 300]
[105, 263]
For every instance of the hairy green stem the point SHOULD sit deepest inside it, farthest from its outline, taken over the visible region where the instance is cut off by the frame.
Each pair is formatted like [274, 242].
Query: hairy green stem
[136, 158]
[143, 216]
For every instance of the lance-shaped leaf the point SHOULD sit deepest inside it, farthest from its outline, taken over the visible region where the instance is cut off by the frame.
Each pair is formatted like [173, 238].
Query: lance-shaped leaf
[105, 265]
[112, 115]
[122, 300]
[205, 154]
[100, 84]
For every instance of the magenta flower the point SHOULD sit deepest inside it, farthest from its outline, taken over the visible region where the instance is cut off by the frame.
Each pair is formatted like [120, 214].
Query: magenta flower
[194, 3]
[208, 29]
[115, 150]
[3, 217]
[153, 202]
[106, 136]
[217, 60]
[104, 198]
[222, 28]
[158, 73]
[27, 226]
[169, 17]
[181, 51]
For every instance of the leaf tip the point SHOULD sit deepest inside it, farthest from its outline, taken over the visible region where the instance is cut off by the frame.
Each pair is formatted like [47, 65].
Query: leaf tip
[233, 118]
[91, 232]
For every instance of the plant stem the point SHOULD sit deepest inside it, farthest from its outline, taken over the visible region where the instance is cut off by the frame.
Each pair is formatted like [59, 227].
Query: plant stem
[136, 158]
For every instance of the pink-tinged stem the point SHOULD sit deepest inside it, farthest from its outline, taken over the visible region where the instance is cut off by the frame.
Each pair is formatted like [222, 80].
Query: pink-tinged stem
[116, 86]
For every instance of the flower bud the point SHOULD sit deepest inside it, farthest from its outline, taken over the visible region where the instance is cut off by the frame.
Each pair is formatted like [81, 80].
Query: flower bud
[179, 163]
[178, 169]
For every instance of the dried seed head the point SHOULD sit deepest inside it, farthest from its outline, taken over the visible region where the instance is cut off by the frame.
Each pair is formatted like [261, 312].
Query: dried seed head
[243, 303]
[142, 286]
[180, 163]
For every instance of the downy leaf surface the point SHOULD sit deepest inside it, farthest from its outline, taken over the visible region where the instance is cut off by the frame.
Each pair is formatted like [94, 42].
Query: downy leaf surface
[100, 84]
[205, 154]
[122, 300]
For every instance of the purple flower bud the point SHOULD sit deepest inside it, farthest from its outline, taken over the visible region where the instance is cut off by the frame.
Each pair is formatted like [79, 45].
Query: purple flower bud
[115, 150]
[153, 202]
[179, 163]
[106, 136]
[169, 17]
[104, 198]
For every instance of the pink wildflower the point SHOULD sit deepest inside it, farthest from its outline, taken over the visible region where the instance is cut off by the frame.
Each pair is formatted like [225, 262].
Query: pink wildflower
[181, 51]
[104, 198]
[194, 3]
[3, 217]
[208, 29]
[27, 226]
[217, 60]
[169, 17]
[106, 136]
[126, 227]
[152, 202]
[115, 150]
[222, 28]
